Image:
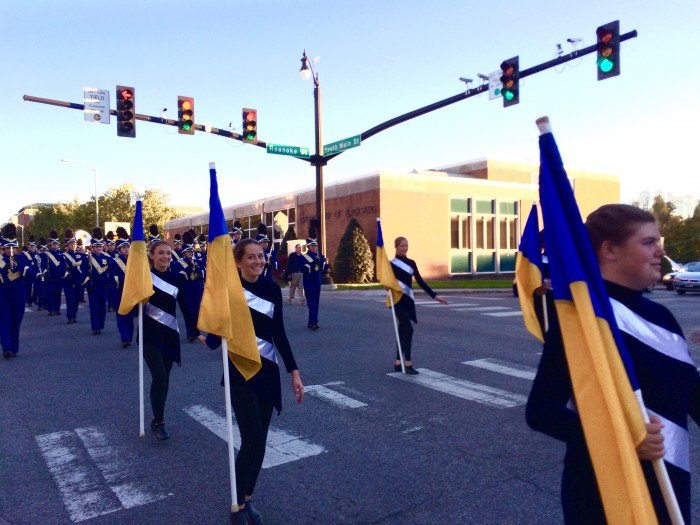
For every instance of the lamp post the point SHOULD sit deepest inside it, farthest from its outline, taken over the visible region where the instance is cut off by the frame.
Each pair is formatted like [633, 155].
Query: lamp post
[97, 200]
[307, 71]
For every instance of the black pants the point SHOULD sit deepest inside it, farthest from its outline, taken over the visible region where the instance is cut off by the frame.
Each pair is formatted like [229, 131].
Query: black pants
[160, 366]
[253, 416]
[405, 334]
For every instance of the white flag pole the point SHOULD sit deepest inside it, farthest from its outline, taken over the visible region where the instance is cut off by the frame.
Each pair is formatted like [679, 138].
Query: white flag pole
[229, 426]
[545, 315]
[396, 332]
[669, 495]
[142, 433]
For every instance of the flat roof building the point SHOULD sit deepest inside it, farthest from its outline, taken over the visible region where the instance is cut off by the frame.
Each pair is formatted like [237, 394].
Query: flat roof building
[462, 221]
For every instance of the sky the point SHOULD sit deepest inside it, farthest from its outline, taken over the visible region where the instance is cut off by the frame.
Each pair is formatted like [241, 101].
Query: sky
[377, 60]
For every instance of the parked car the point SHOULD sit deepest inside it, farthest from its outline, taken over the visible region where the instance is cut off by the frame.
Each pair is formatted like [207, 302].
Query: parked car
[667, 279]
[687, 282]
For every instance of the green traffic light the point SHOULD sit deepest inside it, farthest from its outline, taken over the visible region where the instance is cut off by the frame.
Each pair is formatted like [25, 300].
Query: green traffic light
[508, 95]
[187, 126]
[605, 64]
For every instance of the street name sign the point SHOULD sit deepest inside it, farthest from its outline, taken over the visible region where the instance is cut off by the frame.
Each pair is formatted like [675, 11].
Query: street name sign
[96, 102]
[342, 145]
[292, 151]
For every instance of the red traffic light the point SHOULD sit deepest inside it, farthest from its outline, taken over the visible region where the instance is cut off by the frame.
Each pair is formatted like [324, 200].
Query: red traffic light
[126, 117]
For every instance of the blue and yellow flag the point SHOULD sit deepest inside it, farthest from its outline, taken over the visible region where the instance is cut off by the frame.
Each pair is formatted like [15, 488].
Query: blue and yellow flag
[385, 274]
[138, 285]
[601, 371]
[224, 310]
[528, 272]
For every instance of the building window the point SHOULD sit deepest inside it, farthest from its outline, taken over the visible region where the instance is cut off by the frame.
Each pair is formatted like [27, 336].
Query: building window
[461, 235]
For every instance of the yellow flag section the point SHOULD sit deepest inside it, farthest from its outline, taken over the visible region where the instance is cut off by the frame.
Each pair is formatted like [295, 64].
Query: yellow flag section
[527, 277]
[138, 285]
[224, 310]
[385, 274]
[608, 409]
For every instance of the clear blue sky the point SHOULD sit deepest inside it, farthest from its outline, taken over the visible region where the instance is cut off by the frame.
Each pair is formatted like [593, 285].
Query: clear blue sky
[378, 60]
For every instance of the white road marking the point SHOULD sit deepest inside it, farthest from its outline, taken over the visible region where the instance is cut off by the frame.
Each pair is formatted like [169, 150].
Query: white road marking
[435, 304]
[282, 447]
[487, 395]
[334, 398]
[89, 473]
[515, 313]
[482, 309]
[503, 367]
[116, 471]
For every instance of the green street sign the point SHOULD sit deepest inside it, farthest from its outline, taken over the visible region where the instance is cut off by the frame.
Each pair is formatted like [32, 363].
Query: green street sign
[342, 145]
[292, 151]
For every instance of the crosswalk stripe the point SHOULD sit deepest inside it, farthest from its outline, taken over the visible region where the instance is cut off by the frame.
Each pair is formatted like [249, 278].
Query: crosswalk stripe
[434, 304]
[334, 398]
[503, 367]
[282, 447]
[487, 395]
[481, 309]
[116, 470]
[516, 313]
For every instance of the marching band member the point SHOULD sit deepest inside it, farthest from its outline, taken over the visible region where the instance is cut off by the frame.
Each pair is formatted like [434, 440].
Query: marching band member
[39, 280]
[98, 284]
[117, 270]
[161, 337]
[313, 265]
[109, 251]
[193, 273]
[54, 273]
[75, 275]
[13, 269]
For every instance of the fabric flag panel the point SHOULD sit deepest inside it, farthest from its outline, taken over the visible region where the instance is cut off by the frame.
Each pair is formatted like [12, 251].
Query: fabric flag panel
[138, 285]
[528, 272]
[224, 309]
[601, 372]
[385, 274]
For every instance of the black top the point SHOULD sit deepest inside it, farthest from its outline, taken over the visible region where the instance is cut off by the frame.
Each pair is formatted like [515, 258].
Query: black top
[160, 316]
[405, 279]
[265, 298]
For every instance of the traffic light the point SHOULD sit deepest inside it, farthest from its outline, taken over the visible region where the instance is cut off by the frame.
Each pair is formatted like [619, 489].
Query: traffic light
[250, 125]
[185, 115]
[511, 81]
[608, 62]
[126, 112]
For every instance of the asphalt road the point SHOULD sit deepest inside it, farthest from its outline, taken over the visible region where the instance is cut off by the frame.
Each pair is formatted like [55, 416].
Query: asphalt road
[367, 446]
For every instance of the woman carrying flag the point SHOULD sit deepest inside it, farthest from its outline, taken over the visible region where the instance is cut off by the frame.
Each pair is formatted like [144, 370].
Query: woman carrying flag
[161, 335]
[405, 270]
[254, 400]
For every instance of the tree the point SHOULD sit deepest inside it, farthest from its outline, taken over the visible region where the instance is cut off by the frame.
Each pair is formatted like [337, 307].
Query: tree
[353, 261]
[115, 206]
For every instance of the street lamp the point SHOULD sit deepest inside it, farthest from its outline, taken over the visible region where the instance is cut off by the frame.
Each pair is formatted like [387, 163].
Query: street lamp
[97, 201]
[307, 71]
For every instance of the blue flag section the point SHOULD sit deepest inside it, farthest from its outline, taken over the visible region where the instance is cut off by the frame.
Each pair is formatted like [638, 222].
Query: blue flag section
[529, 273]
[601, 372]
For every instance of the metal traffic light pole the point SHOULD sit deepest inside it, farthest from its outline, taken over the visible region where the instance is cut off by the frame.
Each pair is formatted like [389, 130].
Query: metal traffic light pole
[370, 132]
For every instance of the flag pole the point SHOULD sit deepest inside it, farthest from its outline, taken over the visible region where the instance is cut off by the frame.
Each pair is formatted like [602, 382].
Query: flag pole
[667, 491]
[229, 427]
[545, 315]
[396, 332]
[142, 433]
